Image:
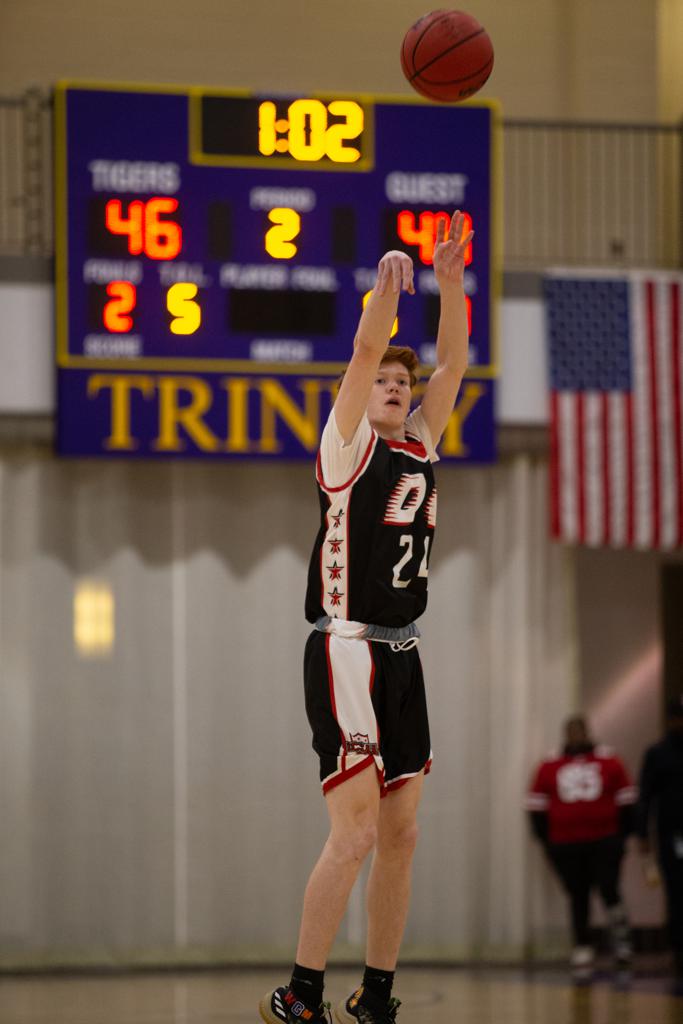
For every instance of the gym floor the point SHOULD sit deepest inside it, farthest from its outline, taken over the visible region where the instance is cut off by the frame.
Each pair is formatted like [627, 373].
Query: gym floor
[446, 996]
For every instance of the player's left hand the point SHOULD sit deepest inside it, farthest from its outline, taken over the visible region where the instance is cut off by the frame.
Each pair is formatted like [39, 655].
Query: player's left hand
[449, 252]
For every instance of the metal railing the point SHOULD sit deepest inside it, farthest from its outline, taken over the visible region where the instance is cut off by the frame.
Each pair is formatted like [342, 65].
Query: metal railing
[593, 194]
[573, 194]
[26, 206]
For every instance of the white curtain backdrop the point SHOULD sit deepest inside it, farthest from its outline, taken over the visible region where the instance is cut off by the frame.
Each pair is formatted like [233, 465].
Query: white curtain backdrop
[161, 802]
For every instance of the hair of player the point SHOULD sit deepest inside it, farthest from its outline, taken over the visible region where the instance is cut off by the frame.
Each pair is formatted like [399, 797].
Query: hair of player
[402, 354]
[407, 357]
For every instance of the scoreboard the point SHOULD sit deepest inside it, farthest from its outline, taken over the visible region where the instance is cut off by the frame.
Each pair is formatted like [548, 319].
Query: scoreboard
[214, 250]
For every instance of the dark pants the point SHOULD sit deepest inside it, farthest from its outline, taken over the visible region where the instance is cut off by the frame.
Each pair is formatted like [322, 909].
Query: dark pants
[672, 873]
[582, 867]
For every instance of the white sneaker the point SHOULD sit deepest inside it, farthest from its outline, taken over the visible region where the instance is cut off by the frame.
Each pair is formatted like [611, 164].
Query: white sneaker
[582, 961]
[623, 953]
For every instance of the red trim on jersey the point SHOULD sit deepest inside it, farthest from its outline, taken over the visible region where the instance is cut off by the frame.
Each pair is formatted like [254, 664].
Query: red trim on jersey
[392, 786]
[372, 673]
[347, 557]
[412, 447]
[371, 686]
[347, 773]
[342, 487]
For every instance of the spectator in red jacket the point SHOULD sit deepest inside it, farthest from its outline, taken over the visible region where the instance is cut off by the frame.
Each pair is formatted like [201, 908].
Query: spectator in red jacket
[581, 806]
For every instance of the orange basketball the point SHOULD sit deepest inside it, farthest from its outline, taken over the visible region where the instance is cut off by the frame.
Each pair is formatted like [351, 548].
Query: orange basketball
[447, 55]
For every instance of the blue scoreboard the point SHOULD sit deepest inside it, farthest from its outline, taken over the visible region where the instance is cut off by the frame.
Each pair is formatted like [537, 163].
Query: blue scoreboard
[214, 250]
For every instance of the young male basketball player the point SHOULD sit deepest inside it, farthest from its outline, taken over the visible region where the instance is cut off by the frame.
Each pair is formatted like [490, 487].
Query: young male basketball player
[367, 584]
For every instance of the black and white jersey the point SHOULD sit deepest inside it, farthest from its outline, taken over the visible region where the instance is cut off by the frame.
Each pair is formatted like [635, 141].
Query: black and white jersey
[378, 514]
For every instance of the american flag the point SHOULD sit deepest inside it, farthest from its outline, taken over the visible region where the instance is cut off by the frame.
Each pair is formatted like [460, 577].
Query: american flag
[616, 371]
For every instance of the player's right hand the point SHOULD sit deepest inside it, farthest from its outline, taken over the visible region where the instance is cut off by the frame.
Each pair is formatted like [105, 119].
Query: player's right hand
[395, 269]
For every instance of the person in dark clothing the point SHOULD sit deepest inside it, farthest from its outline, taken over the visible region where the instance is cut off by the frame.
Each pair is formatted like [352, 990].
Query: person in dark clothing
[581, 808]
[661, 806]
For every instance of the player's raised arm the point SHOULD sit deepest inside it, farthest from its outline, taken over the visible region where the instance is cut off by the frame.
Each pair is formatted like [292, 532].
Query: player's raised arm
[394, 274]
[452, 340]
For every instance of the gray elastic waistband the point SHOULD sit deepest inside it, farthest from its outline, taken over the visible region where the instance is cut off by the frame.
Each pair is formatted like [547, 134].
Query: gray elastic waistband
[385, 634]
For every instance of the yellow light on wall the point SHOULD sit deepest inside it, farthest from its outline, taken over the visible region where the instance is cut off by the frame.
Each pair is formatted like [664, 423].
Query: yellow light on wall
[93, 619]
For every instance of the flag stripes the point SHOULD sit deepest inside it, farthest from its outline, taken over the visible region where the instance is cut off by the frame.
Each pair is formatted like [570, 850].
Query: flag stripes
[616, 428]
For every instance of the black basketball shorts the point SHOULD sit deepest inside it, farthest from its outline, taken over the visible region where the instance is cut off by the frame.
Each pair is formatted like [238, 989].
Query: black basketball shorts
[366, 702]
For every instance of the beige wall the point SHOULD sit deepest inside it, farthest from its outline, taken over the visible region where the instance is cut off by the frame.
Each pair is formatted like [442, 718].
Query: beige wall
[670, 61]
[153, 798]
[621, 648]
[554, 58]
[620, 666]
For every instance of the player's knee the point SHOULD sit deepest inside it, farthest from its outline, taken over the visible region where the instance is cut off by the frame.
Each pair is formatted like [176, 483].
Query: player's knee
[356, 840]
[363, 837]
[399, 840]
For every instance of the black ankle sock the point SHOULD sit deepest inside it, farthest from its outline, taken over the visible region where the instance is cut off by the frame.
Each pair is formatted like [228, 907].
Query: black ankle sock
[308, 985]
[378, 982]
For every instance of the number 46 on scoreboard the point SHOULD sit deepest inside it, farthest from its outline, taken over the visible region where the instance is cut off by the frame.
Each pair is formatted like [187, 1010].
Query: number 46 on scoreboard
[147, 233]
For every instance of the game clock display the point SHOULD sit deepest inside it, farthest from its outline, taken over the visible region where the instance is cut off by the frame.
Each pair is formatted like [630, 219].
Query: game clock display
[215, 249]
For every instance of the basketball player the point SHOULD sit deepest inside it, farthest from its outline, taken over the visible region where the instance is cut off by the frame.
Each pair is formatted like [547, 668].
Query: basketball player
[367, 584]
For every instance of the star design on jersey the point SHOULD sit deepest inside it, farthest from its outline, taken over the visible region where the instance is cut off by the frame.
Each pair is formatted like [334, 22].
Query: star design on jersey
[335, 570]
[337, 519]
[335, 545]
[335, 597]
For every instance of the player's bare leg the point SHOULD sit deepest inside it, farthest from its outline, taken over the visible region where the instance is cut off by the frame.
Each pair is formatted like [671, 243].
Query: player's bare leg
[389, 884]
[354, 809]
[388, 897]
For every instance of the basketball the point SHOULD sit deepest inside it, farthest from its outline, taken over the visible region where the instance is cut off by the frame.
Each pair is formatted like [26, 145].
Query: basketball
[447, 55]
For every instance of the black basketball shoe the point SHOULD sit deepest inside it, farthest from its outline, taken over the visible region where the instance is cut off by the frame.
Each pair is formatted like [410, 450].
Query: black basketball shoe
[282, 1006]
[371, 1010]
